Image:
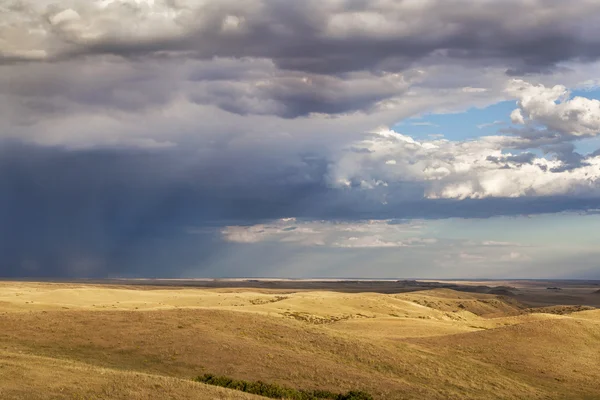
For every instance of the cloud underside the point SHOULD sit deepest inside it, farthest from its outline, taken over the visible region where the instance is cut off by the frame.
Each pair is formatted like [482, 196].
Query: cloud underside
[312, 36]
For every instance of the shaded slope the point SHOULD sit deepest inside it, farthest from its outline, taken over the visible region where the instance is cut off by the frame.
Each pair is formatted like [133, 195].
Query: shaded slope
[561, 353]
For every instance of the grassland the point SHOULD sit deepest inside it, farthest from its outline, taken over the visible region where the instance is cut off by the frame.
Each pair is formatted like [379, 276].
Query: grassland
[66, 341]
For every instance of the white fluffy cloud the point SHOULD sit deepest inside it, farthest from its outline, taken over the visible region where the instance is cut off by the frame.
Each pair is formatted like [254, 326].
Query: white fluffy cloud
[552, 109]
[490, 166]
[486, 167]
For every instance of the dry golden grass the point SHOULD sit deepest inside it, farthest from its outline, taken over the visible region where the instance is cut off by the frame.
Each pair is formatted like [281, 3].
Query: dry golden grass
[435, 344]
[29, 377]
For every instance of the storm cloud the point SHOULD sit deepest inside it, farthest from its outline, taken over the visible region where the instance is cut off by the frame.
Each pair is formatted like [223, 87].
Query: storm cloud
[158, 138]
[99, 213]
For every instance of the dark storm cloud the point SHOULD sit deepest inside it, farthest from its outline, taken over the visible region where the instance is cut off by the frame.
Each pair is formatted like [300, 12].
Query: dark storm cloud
[326, 37]
[103, 213]
[99, 213]
[295, 96]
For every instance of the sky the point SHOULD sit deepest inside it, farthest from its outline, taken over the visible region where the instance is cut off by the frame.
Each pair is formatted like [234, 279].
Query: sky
[271, 138]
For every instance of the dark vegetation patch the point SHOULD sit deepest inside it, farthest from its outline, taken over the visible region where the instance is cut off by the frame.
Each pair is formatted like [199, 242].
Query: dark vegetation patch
[268, 300]
[319, 320]
[559, 310]
[274, 391]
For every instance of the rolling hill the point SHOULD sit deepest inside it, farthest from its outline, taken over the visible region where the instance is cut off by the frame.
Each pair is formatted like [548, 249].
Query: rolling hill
[434, 344]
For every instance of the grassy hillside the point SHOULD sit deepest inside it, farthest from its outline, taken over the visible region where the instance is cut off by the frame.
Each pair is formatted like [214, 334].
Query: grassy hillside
[29, 377]
[434, 344]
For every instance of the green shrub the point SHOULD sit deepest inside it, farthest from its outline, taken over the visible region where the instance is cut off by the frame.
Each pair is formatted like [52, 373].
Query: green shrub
[275, 391]
[355, 395]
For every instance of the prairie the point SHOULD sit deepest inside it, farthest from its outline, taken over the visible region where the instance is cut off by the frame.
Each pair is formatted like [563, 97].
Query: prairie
[102, 341]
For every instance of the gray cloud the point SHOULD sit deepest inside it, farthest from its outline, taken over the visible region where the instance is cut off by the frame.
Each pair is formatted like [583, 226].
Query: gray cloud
[299, 95]
[523, 158]
[269, 58]
[313, 36]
